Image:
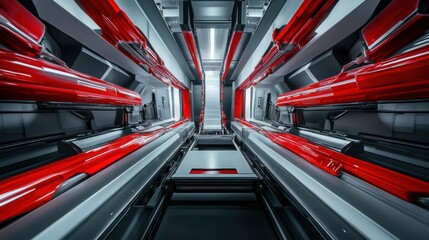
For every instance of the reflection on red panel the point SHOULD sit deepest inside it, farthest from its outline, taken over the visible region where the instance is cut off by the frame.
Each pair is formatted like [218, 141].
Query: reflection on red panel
[214, 171]
[300, 29]
[290, 39]
[235, 40]
[392, 29]
[177, 124]
[26, 78]
[24, 192]
[402, 77]
[186, 104]
[238, 103]
[19, 29]
[27, 191]
[120, 31]
[192, 47]
[310, 152]
[398, 184]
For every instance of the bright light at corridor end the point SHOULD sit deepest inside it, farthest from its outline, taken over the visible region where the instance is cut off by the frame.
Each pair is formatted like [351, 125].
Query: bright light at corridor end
[212, 43]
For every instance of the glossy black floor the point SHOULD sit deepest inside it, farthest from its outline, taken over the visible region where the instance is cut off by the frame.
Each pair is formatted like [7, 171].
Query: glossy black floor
[239, 217]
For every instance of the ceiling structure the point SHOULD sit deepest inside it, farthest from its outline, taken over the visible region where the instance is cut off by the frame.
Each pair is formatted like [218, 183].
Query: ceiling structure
[211, 24]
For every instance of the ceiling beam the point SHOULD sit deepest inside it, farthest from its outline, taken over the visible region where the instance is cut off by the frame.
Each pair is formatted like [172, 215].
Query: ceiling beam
[264, 26]
[151, 10]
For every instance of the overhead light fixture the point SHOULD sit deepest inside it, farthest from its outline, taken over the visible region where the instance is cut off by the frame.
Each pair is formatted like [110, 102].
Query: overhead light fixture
[212, 43]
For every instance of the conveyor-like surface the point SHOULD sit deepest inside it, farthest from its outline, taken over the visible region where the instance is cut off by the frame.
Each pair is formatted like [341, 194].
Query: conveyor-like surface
[212, 113]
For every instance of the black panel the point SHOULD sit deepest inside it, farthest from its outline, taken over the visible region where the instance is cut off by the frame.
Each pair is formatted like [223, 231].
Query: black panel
[118, 77]
[215, 222]
[328, 65]
[299, 80]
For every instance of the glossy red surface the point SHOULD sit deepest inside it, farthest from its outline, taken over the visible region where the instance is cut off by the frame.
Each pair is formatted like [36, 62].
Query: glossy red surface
[29, 190]
[310, 152]
[402, 77]
[296, 34]
[26, 78]
[398, 184]
[192, 47]
[20, 30]
[238, 103]
[244, 122]
[213, 171]
[232, 48]
[121, 32]
[301, 26]
[186, 104]
[391, 29]
[177, 124]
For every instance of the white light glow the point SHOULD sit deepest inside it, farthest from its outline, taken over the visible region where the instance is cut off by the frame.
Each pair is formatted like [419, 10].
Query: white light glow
[212, 43]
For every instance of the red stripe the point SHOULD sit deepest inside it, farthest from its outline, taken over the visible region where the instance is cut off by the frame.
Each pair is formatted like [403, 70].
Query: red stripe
[214, 171]
[235, 40]
[119, 29]
[402, 77]
[192, 47]
[412, 24]
[297, 33]
[398, 184]
[30, 190]
[26, 78]
[23, 20]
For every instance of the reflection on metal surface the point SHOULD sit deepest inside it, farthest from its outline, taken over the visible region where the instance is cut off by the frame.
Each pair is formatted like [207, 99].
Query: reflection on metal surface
[212, 112]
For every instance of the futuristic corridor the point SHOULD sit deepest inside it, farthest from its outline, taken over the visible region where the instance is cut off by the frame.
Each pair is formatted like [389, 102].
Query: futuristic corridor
[225, 119]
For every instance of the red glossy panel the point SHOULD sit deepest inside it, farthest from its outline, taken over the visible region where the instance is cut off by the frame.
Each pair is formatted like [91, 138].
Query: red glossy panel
[214, 171]
[186, 104]
[298, 32]
[121, 32]
[238, 103]
[27, 191]
[304, 149]
[391, 29]
[30, 190]
[304, 22]
[245, 123]
[402, 77]
[114, 23]
[26, 78]
[20, 30]
[398, 184]
[192, 47]
[235, 40]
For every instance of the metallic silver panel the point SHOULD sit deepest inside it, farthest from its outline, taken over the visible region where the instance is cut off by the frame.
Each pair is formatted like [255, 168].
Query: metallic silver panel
[238, 129]
[87, 209]
[214, 160]
[343, 210]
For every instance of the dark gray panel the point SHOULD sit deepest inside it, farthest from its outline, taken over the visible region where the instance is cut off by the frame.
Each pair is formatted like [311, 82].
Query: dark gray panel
[298, 80]
[41, 124]
[118, 77]
[327, 65]
[104, 119]
[89, 63]
[196, 95]
[227, 103]
[71, 122]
